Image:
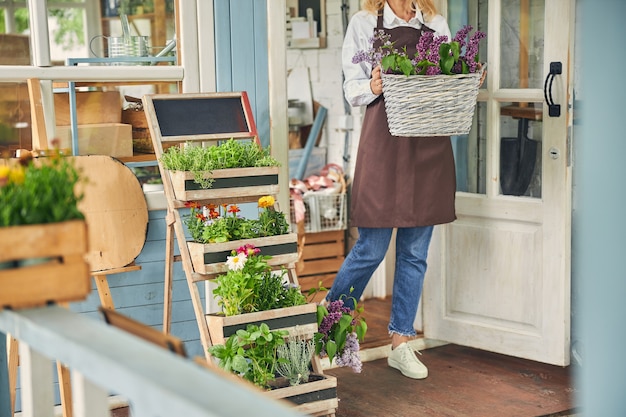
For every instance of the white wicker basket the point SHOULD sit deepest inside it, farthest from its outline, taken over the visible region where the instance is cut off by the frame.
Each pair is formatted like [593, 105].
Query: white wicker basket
[430, 105]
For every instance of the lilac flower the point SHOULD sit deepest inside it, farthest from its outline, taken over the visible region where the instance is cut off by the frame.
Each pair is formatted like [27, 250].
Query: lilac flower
[350, 355]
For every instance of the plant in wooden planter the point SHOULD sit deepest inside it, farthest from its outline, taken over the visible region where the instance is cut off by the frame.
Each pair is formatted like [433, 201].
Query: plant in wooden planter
[43, 236]
[254, 291]
[258, 354]
[232, 168]
[294, 359]
[221, 223]
[217, 230]
[251, 285]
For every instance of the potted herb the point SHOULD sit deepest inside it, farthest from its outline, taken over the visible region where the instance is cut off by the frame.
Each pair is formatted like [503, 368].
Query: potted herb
[252, 291]
[217, 230]
[257, 354]
[231, 168]
[43, 235]
[434, 92]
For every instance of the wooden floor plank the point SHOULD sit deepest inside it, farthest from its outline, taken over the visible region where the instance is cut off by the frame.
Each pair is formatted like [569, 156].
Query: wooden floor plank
[462, 382]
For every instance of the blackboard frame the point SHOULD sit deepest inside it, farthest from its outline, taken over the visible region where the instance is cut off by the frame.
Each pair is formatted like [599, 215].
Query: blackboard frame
[177, 118]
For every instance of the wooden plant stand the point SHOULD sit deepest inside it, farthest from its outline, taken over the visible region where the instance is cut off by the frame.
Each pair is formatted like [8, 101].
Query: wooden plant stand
[202, 262]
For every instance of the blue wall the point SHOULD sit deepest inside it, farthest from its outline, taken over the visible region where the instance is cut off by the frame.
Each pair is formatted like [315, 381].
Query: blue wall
[241, 55]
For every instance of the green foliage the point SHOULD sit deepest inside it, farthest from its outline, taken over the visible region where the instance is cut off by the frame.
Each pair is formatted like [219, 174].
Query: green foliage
[218, 224]
[39, 192]
[297, 354]
[251, 353]
[229, 154]
[250, 285]
[70, 32]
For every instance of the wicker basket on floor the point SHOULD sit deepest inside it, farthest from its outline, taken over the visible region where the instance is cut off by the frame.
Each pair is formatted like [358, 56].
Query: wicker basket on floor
[430, 105]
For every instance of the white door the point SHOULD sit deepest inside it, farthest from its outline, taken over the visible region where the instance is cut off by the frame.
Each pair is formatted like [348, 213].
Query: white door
[499, 276]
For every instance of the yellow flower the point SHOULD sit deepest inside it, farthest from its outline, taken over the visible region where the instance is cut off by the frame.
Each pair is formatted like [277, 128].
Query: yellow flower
[4, 172]
[267, 201]
[16, 176]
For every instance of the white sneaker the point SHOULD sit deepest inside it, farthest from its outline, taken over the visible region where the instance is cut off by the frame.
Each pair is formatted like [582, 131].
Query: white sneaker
[403, 359]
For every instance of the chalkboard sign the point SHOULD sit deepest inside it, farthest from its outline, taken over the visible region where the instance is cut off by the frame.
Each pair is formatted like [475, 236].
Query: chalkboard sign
[201, 115]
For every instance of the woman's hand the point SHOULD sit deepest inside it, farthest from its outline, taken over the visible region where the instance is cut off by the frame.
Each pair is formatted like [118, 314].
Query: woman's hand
[376, 83]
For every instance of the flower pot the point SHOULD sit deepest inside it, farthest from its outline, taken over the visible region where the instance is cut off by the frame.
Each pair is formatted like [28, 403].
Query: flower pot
[315, 397]
[303, 317]
[228, 184]
[210, 258]
[64, 277]
[430, 105]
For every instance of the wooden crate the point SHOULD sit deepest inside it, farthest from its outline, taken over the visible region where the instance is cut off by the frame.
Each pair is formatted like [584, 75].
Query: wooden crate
[210, 258]
[316, 397]
[322, 256]
[229, 183]
[62, 276]
[301, 320]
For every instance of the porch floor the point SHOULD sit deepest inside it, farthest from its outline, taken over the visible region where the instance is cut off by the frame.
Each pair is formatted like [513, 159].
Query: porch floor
[462, 382]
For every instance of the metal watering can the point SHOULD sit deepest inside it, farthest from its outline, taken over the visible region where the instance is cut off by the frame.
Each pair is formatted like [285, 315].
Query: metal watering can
[124, 46]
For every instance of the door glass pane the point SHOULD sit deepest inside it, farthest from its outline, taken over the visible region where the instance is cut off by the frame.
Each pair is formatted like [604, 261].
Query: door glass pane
[470, 150]
[520, 149]
[470, 155]
[521, 43]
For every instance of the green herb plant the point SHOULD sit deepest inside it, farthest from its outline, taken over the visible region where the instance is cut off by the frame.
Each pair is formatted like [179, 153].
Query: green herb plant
[201, 160]
[297, 353]
[251, 285]
[251, 353]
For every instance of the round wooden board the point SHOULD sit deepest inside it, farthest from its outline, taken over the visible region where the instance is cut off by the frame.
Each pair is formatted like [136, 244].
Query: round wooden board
[115, 209]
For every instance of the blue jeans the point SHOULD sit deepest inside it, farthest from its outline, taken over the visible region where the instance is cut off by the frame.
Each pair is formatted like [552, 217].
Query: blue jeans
[411, 252]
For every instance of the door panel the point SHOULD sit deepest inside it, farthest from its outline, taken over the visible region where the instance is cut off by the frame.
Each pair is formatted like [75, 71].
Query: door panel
[499, 276]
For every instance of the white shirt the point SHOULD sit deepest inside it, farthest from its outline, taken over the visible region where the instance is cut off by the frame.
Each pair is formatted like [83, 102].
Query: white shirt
[360, 30]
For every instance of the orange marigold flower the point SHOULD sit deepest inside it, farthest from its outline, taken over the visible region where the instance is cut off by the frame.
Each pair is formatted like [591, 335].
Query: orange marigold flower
[214, 214]
[211, 206]
[233, 209]
[192, 204]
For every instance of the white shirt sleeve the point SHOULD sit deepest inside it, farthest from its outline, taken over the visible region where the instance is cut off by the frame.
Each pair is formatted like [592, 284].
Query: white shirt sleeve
[356, 84]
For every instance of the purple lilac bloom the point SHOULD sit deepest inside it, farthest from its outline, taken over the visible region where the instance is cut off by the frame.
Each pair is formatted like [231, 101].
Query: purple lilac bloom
[350, 354]
[472, 50]
[423, 46]
[461, 35]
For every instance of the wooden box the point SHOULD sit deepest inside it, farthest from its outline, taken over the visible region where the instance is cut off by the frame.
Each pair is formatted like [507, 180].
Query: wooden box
[316, 397]
[303, 317]
[92, 107]
[63, 274]
[14, 49]
[322, 256]
[210, 258]
[113, 139]
[229, 183]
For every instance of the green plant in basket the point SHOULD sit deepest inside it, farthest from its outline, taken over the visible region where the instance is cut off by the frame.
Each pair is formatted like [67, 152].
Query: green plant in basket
[228, 154]
[39, 191]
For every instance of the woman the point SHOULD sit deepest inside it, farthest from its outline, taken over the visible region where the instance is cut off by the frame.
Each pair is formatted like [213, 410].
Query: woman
[405, 183]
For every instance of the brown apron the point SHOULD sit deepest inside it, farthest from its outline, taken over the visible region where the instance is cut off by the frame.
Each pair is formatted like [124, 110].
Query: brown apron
[401, 181]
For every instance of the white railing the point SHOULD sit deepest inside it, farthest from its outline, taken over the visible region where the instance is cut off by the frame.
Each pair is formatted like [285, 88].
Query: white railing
[104, 359]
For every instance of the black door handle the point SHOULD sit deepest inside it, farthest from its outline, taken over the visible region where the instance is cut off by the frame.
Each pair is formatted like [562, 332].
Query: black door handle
[554, 110]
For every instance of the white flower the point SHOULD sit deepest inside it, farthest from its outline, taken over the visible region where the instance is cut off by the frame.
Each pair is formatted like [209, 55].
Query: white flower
[236, 262]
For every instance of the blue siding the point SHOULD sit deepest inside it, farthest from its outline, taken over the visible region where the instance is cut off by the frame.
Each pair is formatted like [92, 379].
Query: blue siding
[241, 55]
